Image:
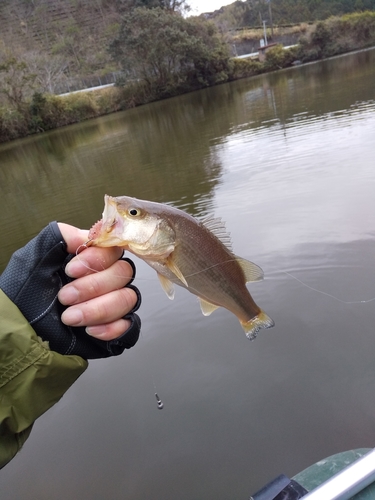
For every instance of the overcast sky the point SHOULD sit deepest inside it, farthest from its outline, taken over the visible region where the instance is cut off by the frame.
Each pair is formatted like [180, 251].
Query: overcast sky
[199, 6]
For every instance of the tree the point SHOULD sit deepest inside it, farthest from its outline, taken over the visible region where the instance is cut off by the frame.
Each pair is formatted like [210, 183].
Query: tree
[165, 49]
[169, 5]
[71, 44]
[49, 70]
[252, 12]
[175, 5]
[16, 81]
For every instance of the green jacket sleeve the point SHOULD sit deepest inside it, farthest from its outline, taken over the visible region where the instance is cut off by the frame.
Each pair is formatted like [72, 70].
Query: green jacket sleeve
[32, 378]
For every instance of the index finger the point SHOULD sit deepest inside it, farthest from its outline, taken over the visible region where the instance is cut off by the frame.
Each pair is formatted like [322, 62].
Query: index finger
[92, 260]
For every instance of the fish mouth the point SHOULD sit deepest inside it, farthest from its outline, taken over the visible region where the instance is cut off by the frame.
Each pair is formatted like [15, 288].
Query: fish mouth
[107, 231]
[94, 231]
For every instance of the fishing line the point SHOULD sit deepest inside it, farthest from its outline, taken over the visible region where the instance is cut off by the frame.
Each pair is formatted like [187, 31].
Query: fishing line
[148, 279]
[84, 246]
[234, 259]
[326, 293]
[160, 404]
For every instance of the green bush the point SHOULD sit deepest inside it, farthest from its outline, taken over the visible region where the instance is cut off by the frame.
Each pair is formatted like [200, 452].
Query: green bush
[361, 25]
[337, 35]
[322, 35]
[108, 100]
[36, 108]
[80, 106]
[53, 114]
[12, 125]
[243, 68]
[277, 57]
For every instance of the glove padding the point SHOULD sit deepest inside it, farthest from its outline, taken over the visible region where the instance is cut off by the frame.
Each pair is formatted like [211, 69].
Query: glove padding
[32, 280]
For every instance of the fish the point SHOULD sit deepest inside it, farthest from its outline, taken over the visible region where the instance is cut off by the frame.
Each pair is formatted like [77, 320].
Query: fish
[192, 253]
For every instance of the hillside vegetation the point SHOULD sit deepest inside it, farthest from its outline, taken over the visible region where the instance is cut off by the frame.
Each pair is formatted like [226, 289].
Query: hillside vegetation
[153, 51]
[251, 13]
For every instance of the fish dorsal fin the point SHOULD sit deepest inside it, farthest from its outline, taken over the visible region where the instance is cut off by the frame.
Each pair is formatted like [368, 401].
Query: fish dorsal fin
[206, 307]
[217, 227]
[167, 286]
[172, 266]
[252, 271]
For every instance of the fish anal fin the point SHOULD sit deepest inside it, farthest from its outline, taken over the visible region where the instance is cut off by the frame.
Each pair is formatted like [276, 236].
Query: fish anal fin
[167, 286]
[251, 271]
[206, 307]
[172, 266]
[252, 327]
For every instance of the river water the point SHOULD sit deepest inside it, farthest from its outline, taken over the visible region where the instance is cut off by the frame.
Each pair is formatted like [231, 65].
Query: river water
[288, 161]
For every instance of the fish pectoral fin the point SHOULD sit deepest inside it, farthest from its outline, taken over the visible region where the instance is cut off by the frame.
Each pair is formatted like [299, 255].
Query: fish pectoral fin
[252, 327]
[172, 266]
[167, 286]
[206, 307]
[252, 271]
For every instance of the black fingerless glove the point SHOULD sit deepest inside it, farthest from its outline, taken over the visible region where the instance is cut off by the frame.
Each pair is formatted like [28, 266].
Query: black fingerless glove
[32, 280]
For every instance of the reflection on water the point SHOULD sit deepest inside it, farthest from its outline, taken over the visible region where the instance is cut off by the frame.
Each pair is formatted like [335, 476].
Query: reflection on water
[287, 160]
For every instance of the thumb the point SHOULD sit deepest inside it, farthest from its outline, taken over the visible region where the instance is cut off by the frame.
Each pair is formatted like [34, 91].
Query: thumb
[73, 236]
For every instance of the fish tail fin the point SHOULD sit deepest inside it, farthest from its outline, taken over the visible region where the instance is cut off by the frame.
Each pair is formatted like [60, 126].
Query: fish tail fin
[255, 324]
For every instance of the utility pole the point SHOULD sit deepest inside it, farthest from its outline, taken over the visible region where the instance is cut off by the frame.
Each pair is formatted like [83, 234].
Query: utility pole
[265, 33]
[270, 14]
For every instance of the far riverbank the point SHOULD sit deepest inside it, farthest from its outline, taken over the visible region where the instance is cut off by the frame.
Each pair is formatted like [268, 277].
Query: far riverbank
[335, 36]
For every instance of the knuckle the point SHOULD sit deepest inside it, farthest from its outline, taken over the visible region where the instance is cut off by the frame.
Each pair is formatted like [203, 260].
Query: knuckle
[101, 313]
[128, 298]
[94, 285]
[111, 307]
[117, 328]
[125, 269]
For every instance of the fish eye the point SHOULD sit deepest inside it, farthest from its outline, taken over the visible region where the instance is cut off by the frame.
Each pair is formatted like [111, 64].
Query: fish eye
[134, 212]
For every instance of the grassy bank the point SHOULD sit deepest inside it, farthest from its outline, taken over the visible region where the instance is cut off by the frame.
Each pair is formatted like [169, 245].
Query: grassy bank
[43, 112]
[253, 35]
[338, 35]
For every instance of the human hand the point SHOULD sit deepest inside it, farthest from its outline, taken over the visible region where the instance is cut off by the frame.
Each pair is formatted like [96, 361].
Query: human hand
[35, 277]
[97, 297]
